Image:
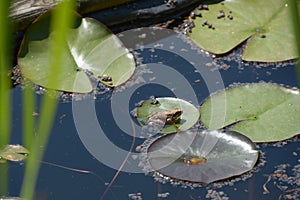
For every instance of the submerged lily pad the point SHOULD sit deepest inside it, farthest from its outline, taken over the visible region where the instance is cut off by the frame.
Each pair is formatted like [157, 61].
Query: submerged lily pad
[202, 156]
[89, 46]
[13, 153]
[264, 112]
[266, 25]
[157, 112]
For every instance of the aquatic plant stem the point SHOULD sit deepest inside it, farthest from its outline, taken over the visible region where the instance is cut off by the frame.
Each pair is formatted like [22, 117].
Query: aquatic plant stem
[5, 102]
[122, 165]
[61, 20]
[74, 169]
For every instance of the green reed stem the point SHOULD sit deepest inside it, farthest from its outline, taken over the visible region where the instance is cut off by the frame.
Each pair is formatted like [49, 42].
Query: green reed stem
[4, 179]
[61, 20]
[5, 108]
[5, 65]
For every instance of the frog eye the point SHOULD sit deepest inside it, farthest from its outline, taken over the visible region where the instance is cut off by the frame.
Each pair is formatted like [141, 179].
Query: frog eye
[169, 120]
[153, 100]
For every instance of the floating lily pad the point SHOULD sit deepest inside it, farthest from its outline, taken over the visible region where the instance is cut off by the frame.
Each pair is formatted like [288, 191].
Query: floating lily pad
[266, 25]
[90, 46]
[13, 153]
[188, 117]
[202, 156]
[264, 112]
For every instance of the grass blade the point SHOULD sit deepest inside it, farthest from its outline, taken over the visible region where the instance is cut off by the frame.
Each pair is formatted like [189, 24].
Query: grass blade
[5, 105]
[61, 20]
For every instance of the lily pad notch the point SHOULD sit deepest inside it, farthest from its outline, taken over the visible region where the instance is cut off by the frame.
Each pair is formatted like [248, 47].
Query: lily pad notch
[89, 47]
[265, 25]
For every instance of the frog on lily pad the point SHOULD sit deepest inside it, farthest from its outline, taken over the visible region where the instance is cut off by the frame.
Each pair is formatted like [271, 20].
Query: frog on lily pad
[166, 115]
[158, 120]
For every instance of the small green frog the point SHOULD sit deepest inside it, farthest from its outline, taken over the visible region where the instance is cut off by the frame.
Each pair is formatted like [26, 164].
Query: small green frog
[167, 117]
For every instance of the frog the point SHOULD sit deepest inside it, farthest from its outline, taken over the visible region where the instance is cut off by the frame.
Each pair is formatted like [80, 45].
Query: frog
[189, 159]
[167, 117]
[159, 119]
[194, 160]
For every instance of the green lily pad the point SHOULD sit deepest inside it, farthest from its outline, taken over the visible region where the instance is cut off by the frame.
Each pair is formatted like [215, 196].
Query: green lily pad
[90, 46]
[266, 25]
[201, 156]
[187, 118]
[264, 112]
[13, 153]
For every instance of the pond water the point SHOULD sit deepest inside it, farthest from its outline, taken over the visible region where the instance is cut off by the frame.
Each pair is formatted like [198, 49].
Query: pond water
[168, 66]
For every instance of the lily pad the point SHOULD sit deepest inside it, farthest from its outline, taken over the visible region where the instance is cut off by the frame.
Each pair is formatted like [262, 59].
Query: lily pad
[221, 155]
[13, 153]
[90, 47]
[266, 25]
[188, 117]
[264, 112]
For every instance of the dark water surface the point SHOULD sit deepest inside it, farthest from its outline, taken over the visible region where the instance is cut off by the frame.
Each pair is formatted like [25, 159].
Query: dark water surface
[66, 148]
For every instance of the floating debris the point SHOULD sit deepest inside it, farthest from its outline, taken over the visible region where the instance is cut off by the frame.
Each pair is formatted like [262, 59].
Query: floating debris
[198, 14]
[187, 25]
[210, 26]
[205, 22]
[171, 3]
[203, 7]
[214, 194]
[135, 196]
[287, 179]
[192, 15]
[163, 195]
[221, 15]
[105, 78]
[230, 17]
